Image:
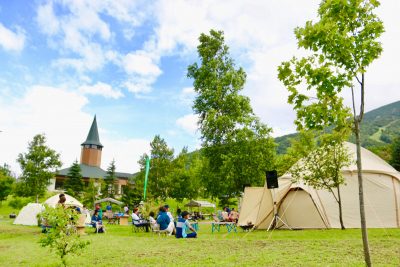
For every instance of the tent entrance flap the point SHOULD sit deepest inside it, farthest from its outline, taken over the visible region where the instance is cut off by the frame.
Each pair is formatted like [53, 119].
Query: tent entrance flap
[299, 210]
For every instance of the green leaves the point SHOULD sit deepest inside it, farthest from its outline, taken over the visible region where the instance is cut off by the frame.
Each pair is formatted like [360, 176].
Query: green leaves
[343, 43]
[237, 146]
[74, 183]
[62, 236]
[38, 166]
[109, 181]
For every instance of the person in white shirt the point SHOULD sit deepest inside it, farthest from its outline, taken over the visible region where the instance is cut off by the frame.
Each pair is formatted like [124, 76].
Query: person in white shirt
[137, 221]
[171, 225]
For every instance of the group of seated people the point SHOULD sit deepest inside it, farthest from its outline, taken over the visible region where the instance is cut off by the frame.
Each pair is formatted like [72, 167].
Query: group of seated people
[229, 215]
[164, 221]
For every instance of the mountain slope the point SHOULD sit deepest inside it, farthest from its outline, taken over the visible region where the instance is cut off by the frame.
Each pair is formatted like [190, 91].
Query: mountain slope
[379, 128]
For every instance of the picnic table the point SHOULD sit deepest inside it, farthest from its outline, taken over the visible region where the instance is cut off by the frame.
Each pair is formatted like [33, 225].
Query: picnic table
[230, 226]
[123, 220]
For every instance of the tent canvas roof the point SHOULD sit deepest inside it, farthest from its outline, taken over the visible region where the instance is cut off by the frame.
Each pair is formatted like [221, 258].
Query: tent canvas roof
[71, 201]
[200, 203]
[302, 206]
[109, 199]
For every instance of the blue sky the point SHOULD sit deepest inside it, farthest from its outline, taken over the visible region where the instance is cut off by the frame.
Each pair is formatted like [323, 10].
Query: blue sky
[64, 61]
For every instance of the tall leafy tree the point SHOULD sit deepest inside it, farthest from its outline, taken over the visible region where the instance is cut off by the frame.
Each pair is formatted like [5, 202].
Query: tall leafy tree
[236, 144]
[90, 192]
[38, 166]
[160, 166]
[6, 182]
[395, 160]
[74, 183]
[342, 44]
[109, 181]
[185, 176]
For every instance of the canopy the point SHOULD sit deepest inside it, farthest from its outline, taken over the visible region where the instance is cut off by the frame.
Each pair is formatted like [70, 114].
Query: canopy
[28, 214]
[109, 199]
[302, 206]
[200, 204]
[71, 201]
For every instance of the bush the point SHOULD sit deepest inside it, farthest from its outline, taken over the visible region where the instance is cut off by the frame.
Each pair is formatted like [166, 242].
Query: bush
[62, 237]
[19, 202]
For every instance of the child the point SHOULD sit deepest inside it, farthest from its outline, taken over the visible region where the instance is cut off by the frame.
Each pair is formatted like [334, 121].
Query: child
[184, 224]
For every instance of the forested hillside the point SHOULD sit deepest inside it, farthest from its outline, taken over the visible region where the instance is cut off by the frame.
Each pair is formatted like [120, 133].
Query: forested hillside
[379, 129]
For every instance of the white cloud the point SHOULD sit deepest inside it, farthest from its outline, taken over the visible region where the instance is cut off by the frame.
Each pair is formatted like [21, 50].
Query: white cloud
[141, 63]
[47, 20]
[12, 41]
[188, 123]
[259, 33]
[59, 114]
[126, 152]
[102, 89]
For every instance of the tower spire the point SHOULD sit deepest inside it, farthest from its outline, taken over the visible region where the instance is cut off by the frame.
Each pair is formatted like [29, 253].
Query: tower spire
[93, 135]
[91, 148]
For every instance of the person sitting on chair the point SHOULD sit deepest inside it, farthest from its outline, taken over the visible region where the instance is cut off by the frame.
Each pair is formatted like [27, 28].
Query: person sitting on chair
[182, 225]
[137, 221]
[164, 221]
[234, 216]
[153, 222]
[97, 223]
[225, 215]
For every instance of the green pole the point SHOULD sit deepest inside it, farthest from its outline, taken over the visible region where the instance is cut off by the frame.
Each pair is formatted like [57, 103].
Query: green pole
[146, 177]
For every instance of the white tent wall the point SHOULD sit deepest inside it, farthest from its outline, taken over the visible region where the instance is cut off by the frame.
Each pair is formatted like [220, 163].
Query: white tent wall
[311, 208]
[28, 214]
[257, 205]
[298, 210]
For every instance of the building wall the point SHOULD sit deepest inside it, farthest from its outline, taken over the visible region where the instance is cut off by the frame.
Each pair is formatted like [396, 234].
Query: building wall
[91, 156]
[58, 184]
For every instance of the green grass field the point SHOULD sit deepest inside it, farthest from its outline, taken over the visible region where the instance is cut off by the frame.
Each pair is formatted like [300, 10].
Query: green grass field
[121, 247]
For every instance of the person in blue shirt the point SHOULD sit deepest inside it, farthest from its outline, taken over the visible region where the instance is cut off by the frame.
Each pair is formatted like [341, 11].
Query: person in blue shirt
[183, 225]
[97, 223]
[163, 219]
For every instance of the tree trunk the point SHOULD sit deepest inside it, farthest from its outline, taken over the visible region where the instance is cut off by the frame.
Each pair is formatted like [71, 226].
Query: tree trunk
[364, 232]
[340, 209]
[37, 198]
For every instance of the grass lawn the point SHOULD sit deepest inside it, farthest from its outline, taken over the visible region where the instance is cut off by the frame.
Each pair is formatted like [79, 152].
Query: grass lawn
[120, 247]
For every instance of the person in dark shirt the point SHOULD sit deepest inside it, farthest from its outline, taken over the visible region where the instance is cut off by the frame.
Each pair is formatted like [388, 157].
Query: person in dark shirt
[163, 220]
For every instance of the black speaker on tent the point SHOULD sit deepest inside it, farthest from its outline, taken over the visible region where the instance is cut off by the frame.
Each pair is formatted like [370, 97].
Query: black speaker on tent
[272, 179]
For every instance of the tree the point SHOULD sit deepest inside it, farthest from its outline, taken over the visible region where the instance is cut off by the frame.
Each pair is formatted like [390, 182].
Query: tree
[91, 192]
[133, 194]
[395, 160]
[237, 146]
[62, 237]
[321, 169]
[185, 176]
[109, 181]
[343, 43]
[74, 183]
[160, 166]
[300, 147]
[38, 166]
[6, 182]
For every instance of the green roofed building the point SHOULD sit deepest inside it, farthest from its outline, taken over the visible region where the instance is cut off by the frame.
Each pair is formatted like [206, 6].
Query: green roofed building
[90, 163]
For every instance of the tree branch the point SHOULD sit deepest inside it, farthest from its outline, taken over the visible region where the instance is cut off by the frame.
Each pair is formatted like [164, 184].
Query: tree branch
[360, 117]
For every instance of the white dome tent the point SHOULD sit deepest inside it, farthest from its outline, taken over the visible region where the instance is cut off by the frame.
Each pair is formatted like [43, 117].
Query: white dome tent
[302, 206]
[70, 201]
[28, 214]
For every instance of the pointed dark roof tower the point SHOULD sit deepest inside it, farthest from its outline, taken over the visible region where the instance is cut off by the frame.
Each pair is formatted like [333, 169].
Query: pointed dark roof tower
[93, 135]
